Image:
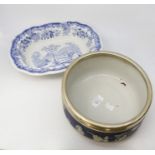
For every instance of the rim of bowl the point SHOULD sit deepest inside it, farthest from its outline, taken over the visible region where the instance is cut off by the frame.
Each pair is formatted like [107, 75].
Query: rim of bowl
[105, 127]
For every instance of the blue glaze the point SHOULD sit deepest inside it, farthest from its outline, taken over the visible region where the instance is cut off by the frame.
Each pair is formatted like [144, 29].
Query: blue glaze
[96, 135]
[54, 57]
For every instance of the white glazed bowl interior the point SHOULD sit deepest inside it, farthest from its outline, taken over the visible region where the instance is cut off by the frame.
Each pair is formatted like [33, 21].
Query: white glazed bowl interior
[106, 89]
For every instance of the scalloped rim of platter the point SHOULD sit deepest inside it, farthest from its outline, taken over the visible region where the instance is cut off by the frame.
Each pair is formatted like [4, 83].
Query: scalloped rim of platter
[15, 64]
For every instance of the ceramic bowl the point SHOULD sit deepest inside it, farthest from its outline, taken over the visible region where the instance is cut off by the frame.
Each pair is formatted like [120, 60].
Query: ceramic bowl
[50, 48]
[106, 95]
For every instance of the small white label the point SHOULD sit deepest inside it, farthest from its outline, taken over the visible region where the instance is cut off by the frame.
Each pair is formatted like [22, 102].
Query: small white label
[109, 106]
[97, 100]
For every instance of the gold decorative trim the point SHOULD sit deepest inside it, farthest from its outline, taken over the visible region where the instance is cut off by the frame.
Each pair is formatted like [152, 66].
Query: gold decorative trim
[106, 128]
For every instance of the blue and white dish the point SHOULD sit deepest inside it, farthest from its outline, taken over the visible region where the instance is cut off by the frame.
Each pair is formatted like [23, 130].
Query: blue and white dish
[50, 48]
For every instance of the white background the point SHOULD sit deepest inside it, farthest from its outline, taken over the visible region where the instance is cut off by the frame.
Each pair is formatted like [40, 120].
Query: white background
[31, 113]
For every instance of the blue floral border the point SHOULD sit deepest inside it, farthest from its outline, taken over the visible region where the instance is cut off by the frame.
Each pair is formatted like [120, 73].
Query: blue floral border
[15, 56]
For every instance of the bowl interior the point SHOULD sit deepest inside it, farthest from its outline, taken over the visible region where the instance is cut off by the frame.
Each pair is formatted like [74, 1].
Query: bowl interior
[106, 89]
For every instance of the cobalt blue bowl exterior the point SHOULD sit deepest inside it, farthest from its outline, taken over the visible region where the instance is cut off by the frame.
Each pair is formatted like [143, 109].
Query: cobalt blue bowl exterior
[98, 135]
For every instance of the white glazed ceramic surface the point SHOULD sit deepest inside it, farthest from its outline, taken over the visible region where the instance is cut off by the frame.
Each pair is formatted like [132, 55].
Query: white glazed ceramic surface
[106, 89]
[50, 48]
